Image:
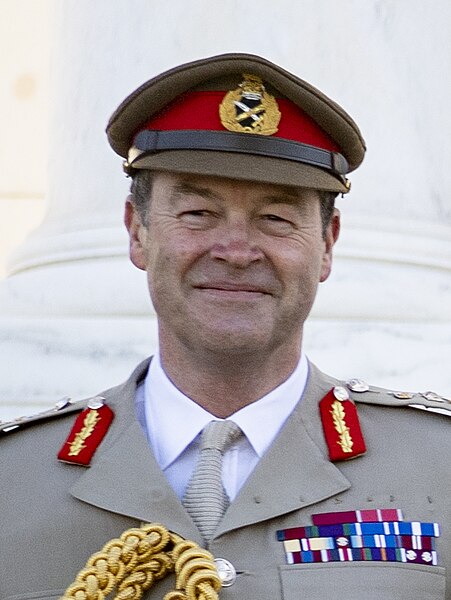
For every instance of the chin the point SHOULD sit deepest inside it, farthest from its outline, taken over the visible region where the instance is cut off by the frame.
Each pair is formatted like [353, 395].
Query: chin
[230, 343]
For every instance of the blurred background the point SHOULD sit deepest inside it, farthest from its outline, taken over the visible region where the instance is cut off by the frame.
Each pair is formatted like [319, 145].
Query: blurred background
[75, 316]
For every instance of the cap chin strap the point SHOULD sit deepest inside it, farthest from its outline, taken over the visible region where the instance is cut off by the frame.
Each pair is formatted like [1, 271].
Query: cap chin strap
[150, 142]
[131, 564]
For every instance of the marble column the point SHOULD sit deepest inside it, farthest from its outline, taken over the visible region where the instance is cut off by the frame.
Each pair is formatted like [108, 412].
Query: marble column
[74, 314]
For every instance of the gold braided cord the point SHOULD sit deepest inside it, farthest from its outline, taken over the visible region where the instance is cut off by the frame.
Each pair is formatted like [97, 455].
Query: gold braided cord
[131, 564]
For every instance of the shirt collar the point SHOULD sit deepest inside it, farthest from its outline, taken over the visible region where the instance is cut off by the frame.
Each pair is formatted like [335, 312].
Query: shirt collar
[174, 420]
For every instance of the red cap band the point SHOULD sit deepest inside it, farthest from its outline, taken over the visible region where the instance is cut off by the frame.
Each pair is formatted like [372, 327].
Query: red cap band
[200, 111]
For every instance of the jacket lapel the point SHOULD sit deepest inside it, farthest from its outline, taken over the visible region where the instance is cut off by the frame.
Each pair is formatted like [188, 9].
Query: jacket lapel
[273, 489]
[125, 478]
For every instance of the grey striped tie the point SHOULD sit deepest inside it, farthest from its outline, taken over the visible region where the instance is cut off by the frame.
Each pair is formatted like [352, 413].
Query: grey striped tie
[205, 498]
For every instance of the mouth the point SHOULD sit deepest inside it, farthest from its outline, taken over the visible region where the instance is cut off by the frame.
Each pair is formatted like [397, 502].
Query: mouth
[234, 291]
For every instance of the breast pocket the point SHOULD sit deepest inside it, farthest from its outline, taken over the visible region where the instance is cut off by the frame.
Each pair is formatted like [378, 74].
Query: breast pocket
[371, 581]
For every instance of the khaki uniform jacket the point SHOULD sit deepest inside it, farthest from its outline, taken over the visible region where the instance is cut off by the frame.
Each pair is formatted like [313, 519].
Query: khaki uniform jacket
[54, 515]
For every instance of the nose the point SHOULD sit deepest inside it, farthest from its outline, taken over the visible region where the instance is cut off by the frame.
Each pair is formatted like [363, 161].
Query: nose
[236, 246]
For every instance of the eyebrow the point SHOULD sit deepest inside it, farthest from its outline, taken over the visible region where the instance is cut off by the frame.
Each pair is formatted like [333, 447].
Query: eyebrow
[185, 188]
[289, 197]
[283, 198]
[286, 195]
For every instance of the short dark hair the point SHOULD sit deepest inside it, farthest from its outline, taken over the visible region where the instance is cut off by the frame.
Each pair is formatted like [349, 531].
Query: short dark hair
[326, 206]
[141, 189]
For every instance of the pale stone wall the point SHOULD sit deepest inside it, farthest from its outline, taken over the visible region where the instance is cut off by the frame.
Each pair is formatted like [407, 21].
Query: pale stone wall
[24, 99]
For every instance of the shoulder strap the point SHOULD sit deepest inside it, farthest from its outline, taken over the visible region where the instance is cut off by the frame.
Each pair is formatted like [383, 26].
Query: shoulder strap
[64, 407]
[427, 401]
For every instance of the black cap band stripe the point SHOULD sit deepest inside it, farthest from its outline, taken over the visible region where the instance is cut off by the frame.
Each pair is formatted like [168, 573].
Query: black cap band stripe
[148, 142]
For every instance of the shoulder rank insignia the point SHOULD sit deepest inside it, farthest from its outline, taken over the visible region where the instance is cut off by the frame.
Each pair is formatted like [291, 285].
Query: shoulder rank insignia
[250, 109]
[427, 401]
[341, 425]
[88, 431]
[63, 407]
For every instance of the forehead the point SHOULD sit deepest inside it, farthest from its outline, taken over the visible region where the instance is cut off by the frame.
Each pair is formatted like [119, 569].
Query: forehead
[177, 185]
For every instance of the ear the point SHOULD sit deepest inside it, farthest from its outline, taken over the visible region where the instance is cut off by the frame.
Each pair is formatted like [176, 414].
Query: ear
[331, 236]
[137, 233]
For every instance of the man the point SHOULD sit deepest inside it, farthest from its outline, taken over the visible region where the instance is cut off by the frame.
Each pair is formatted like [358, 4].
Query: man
[229, 436]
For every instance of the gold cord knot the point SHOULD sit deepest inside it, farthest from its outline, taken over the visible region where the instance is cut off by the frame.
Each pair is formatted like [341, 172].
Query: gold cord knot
[132, 563]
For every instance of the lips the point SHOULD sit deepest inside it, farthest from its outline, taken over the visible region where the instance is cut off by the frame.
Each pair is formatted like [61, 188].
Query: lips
[227, 286]
[232, 288]
[255, 281]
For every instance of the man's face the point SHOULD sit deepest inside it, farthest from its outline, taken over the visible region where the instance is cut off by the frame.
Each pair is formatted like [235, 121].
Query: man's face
[232, 266]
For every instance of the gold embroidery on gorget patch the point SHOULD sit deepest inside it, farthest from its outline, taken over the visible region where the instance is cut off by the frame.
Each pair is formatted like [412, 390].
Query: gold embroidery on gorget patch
[338, 417]
[91, 420]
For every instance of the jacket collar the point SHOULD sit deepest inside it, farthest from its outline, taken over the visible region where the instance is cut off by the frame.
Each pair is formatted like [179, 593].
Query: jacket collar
[294, 473]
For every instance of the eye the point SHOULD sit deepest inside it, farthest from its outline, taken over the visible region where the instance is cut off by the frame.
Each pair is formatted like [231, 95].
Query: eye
[199, 213]
[274, 224]
[197, 218]
[196, 213]
[275, 218]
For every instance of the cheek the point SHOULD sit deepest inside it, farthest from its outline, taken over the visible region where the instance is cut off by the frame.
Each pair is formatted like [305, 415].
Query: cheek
[176, 256]
[303, 262]
[166, 266]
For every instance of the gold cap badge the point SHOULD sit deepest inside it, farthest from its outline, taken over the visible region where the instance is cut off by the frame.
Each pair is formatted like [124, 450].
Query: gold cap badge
[250, 109]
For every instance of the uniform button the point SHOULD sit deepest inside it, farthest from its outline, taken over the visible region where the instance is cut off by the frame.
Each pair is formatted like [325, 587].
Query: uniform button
[341, 393]
[226, 572]
[96, 402]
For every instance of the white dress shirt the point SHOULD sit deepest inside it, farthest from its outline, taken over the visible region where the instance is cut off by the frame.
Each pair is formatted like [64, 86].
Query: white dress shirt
[174, 423]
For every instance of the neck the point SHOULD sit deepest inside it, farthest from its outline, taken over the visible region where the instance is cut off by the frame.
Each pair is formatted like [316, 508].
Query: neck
[222, 385]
